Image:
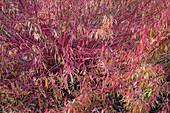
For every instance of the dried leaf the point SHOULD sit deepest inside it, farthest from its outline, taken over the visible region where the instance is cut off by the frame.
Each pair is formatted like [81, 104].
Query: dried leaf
[36, 36]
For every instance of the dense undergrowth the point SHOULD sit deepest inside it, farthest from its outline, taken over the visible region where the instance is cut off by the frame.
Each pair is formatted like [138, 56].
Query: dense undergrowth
[84, 56]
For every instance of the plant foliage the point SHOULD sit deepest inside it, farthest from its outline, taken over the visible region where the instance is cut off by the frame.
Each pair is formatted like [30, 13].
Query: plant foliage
[84, 56]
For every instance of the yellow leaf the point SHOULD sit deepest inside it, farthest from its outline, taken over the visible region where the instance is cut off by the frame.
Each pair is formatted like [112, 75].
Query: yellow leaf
[59, 79]
[46, 83]
[140, 108]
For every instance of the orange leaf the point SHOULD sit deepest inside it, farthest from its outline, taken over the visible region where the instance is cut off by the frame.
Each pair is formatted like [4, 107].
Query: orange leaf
[52, 81]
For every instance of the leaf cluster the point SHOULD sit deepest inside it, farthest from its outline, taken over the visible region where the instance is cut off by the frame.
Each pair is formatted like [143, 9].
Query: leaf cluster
[84, 56]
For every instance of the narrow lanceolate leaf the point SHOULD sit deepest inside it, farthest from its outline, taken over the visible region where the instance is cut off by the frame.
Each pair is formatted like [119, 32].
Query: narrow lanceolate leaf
[86, 101]
[142, 44]
[52, 81]
[135, 108]
[65, 81]
[46, 83]
[36, 36]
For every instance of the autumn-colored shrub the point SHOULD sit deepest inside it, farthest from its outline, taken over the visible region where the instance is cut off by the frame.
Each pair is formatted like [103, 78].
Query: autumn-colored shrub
[81, 56]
